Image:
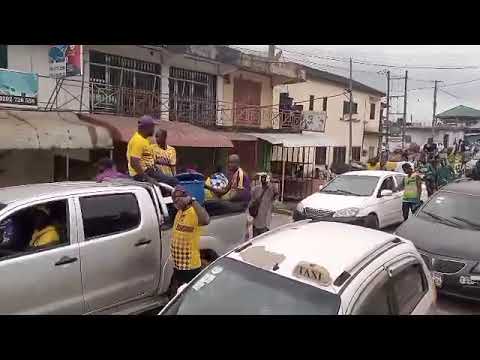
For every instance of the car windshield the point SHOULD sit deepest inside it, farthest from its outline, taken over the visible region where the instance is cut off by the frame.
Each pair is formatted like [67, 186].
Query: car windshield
[357, 185]
[231, 287]
[453, 209]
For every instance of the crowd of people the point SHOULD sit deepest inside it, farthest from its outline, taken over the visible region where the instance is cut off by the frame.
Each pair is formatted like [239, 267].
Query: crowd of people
[151, 159]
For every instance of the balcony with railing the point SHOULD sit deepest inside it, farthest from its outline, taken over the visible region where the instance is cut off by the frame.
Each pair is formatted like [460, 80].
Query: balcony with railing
[200, 112]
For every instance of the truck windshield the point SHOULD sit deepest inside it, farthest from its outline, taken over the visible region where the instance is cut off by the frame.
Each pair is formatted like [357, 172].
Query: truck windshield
[231, 287]
[357, 185]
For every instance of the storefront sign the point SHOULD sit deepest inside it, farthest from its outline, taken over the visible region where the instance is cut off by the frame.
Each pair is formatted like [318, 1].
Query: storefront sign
[18, 88]
[65, 60]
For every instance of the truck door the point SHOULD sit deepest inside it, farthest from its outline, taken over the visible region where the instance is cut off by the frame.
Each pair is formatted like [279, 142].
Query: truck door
[42, 279]
[119, 247]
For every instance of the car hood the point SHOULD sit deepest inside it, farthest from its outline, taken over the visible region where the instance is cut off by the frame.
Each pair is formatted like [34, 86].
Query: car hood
[441, 239]
[333, 202]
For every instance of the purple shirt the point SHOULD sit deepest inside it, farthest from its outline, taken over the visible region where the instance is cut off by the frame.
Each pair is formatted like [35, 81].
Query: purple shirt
[110, 174]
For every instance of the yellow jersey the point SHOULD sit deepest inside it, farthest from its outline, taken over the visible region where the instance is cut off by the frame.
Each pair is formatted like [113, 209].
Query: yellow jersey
[139, 147]
[168, 153]
[46, 236]
[185, 248]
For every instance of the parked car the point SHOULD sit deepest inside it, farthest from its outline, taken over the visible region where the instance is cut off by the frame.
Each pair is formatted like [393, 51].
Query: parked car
[308, 268]
[113, 255]
[470, 165]
[446, 232]
[371, 198]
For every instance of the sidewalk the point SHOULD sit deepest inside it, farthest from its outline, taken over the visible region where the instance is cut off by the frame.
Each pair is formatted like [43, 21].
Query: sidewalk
[285, 208]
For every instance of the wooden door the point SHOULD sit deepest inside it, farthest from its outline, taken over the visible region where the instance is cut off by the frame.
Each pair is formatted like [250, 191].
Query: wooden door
[246, 98]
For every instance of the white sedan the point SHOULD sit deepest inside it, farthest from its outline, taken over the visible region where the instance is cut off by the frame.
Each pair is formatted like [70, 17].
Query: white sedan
[369, 198]
[309, 268]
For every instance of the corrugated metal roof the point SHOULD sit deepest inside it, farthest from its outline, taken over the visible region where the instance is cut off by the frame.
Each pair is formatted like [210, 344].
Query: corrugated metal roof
[49, 130]
[237, 136]
[459, 112]
[179, 133]
[307, 138]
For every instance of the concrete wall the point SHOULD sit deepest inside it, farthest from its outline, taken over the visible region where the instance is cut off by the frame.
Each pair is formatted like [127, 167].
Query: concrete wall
[336, 129]
[19, 167]
[421, 135]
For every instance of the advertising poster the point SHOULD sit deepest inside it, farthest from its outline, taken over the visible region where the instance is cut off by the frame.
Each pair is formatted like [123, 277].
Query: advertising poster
[18, 88]
[65, 60]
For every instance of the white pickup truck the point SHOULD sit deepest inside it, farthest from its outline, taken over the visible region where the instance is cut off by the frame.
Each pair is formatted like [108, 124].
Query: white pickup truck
[114, 251]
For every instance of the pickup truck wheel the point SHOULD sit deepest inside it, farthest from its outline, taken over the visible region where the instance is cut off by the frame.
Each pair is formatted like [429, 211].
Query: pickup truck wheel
[207, 256]
[372, 221]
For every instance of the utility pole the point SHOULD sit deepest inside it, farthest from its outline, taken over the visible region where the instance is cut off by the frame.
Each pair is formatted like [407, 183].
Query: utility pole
[271, 51]
[350, 87]
[387, 117]
[434, 108]
[404, 111]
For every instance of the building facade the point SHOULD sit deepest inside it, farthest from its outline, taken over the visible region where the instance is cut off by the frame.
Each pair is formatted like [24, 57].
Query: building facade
[325, 96]
[212, 87]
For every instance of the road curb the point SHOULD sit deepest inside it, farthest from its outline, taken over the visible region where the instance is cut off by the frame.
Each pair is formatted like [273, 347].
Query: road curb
[283, 212]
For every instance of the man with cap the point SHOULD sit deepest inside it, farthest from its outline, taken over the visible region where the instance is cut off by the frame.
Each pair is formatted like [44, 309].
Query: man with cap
[186, 237]
[141, 156]
[262, 201]
[139, 150]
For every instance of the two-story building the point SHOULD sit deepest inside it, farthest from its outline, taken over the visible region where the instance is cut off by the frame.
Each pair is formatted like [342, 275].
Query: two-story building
[324, 97]
[200, 89]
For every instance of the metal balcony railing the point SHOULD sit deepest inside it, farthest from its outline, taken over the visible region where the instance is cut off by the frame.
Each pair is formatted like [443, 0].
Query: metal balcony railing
[197, 111]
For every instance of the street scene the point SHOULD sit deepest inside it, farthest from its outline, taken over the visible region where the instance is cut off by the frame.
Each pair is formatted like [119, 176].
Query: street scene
[239, 180]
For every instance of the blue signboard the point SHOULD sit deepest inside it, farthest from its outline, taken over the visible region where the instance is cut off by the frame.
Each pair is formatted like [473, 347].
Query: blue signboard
[18, 88]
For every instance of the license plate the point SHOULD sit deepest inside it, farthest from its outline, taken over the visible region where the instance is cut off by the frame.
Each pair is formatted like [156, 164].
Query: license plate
[437, 279]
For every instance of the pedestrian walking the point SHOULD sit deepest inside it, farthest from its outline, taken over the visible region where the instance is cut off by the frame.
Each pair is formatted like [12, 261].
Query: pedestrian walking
[445, 173]
[261, 204]
[413, 191]
[184, 246]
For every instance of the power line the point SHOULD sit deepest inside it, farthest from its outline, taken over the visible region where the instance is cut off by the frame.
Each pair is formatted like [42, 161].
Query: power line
[430, 67]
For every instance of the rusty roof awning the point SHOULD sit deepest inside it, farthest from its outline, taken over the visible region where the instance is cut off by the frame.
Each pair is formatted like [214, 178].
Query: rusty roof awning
[45, 130]
[179, 133]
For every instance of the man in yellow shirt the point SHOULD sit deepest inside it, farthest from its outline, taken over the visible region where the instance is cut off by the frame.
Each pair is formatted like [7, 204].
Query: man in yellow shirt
[139, 151]
[186, 237]
[165, 155]
[141, 157]
[44, 232]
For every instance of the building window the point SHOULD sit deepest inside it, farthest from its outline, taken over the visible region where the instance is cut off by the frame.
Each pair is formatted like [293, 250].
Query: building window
[356, 153]
[3, 57]
[310, 104]
[371, 152]
[372, 111]
[346, 108]
[324, 105]
[125, 85]
[193, 96]
[320, 155]
[339, 153]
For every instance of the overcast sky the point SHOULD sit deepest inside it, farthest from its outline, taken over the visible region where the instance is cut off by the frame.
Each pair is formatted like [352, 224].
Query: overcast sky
[420, 102]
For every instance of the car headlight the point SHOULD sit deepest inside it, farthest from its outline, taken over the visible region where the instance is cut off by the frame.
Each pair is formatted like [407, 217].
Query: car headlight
[349, 212]
[300, 207]
[476, 269]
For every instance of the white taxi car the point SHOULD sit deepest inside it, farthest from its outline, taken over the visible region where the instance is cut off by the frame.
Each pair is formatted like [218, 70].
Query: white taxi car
[371, 198]
[312, 268]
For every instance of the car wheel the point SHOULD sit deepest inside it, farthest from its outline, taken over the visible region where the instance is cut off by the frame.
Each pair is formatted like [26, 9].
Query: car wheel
[372, 221]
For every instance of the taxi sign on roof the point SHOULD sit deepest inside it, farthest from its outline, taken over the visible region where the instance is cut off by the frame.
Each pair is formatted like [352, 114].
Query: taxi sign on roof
[312, 272]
